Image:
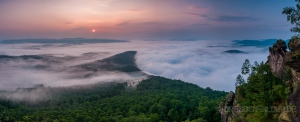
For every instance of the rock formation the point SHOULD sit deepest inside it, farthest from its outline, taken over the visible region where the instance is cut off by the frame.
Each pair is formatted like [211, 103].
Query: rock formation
[282, 62]
[276, 58]
[225, 107]
[293, 61]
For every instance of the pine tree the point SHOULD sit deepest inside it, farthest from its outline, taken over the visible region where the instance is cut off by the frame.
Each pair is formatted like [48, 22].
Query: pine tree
[246, 67]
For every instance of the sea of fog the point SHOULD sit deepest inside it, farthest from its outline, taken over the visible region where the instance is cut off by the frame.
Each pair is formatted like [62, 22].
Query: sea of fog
[200, 62]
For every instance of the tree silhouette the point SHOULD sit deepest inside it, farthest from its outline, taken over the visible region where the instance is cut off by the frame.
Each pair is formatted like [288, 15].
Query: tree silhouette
[293, 16]
[239, 81]
[246, 67]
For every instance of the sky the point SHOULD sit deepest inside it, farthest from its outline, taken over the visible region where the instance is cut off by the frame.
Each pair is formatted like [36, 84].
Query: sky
[145, 19]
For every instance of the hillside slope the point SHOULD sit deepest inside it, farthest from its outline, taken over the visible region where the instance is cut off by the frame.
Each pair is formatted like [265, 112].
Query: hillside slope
[122, 62]
[154, 99]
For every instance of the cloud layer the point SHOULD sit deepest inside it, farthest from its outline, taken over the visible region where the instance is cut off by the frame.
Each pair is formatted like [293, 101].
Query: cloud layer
[200, 62]
[197, 63]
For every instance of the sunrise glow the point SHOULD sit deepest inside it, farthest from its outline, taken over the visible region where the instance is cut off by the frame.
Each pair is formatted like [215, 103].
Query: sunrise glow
[142, 19]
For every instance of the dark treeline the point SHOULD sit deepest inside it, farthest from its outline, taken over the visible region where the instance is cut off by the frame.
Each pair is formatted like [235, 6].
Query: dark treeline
[154, 99]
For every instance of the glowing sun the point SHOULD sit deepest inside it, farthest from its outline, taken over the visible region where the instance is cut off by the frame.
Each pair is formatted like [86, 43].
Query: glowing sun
[93, 30]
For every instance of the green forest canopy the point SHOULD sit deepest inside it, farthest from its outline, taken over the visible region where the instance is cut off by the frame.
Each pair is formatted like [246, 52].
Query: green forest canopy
[154, 99]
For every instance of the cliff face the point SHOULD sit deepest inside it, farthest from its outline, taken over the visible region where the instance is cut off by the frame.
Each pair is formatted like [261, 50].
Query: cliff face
[293, 61]
[226, 113]
[281, 62]
[276, 59]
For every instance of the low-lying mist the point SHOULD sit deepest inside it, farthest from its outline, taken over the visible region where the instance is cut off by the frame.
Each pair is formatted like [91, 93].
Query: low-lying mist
[23, 84]
[201, 62]
[204, 63]
[20, 75]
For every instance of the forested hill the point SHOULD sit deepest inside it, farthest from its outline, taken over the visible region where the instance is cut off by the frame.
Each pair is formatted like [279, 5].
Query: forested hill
[122, 62]
[155, 99]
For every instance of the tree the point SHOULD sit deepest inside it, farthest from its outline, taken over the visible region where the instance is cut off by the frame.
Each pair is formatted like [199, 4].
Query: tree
[253, 67]
[293, 15]
[239, 80]
[246, 67]
[261, 89]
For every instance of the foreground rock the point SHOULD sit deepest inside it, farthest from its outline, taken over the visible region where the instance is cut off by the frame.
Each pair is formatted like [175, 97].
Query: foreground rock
[282, 62]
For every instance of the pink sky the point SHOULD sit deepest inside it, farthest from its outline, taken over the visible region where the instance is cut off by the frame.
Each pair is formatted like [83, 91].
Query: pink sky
[142, 19]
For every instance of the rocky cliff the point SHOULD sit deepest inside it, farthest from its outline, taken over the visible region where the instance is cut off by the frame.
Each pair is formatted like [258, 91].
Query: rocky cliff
[292, 60]
[281, 62]
[276, 58]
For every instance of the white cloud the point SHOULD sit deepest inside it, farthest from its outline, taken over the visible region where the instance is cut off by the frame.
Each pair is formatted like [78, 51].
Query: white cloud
[193, 62]
[196, 63]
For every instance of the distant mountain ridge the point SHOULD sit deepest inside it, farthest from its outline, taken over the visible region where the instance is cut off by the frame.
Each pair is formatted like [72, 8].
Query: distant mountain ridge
[64, 40]
[256, 43]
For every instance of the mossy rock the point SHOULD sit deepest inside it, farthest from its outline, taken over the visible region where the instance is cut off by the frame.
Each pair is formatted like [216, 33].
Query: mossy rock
[294, 44]
[284, 116]
[288, 57]
[296, 54]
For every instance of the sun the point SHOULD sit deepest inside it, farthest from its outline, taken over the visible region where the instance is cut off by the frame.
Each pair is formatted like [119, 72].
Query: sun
[93, 30]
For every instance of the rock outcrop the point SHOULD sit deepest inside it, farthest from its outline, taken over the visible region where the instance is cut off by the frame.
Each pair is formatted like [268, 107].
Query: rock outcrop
[293, 61]
[225, 107]
[276, 58]
[294, 55]
[282, 62]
